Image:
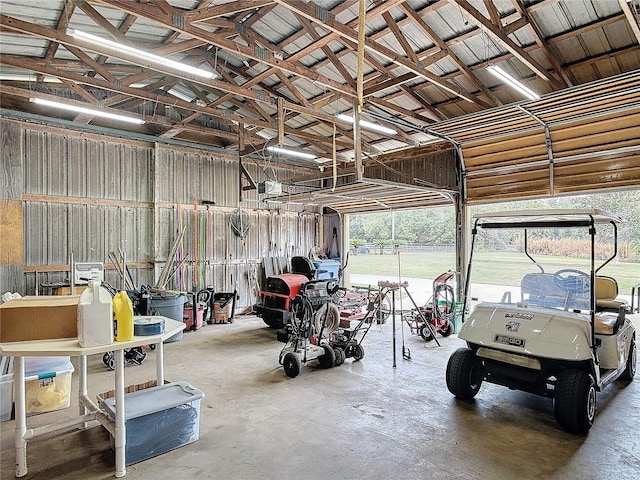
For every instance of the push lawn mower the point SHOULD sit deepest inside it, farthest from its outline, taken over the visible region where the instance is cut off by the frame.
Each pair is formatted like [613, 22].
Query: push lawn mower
[438, 311]
[345, 339]
[313, 318]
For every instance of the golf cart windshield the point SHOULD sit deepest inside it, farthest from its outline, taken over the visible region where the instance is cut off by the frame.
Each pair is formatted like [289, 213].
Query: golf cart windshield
[543, 258]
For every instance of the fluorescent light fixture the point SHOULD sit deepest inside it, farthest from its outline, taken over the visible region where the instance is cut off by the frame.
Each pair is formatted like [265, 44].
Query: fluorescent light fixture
[16, 77]
[291, 152]
[141, 53]
[374, 127]
[509, 80]
[88, 111]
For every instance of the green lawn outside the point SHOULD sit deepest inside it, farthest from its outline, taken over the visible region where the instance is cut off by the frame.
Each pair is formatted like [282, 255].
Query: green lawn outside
[491, 268]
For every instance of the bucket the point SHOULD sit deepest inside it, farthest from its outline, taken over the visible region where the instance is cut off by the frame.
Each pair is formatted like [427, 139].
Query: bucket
[188, 317]
[457, 317]
[170, 306]
[223, 306]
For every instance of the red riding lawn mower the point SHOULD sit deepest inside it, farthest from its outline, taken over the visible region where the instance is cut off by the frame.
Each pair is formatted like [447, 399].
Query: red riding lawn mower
[280, 290]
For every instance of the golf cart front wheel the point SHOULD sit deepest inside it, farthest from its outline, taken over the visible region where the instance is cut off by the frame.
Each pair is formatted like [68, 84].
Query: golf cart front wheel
[464, 374]
[632, 360]
[292, 365]
[574, 402]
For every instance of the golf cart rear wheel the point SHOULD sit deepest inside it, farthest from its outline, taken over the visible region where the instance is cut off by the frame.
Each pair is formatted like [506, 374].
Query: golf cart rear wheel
[358, 352]
[632, 360]
[426, 334]
[328, 358]
[574, 402]
[446, 330]
[464, 374]
[292, 365]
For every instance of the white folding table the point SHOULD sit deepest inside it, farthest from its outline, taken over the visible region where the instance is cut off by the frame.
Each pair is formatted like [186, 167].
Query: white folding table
[89, 410]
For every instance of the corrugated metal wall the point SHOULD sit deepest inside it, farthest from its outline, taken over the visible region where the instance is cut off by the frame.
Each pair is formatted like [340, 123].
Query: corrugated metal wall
[89, 195]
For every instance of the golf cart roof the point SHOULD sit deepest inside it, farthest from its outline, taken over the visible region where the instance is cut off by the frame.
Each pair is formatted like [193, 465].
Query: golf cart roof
[545, 218]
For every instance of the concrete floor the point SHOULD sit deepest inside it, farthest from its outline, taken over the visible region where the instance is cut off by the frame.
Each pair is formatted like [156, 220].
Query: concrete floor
[363, 420]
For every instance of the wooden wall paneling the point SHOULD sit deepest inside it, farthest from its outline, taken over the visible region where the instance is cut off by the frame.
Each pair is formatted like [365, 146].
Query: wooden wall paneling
[11, 226]
[11, 209]
[11, 169]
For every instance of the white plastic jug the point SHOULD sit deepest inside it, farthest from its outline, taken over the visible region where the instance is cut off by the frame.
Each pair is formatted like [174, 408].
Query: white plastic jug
[95, 316]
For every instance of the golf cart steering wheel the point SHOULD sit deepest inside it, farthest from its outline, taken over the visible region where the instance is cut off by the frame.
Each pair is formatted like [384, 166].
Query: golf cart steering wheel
[572, 281]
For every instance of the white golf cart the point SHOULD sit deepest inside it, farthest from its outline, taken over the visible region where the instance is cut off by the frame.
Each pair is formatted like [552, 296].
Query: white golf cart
[564, 336]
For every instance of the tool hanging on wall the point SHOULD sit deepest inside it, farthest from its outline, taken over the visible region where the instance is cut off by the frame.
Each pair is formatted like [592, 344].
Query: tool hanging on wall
[240, 223]
[168, 266]
[118, 260]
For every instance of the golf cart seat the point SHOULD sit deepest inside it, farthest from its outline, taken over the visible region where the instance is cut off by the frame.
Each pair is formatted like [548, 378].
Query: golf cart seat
[606, 293]
[608, 323]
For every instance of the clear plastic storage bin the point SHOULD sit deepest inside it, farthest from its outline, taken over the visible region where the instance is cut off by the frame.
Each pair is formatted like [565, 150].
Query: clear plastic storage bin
[158, 419]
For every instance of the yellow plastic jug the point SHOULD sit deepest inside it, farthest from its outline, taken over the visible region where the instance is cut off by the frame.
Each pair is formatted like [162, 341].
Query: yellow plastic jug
[123, 313]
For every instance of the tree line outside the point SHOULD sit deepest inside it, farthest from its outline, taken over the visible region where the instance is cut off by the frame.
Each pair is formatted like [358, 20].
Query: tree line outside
[436, 226]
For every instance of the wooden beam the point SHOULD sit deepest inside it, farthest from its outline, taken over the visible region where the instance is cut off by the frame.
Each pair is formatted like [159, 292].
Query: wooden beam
[63, 21]
[280, 122]
[32, 29]
[292, 88]
[493, 13]
[92, 64]
[400, 37]
[435, 38]
[631, 16]
[542, 42]
[311, 11]
[230, 8]
[106, 25]
[600, 23]
[494, 32]
[154, 15]
[335, 61]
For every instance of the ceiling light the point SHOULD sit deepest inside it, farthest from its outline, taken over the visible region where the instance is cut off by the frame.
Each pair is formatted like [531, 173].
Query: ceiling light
[16, 77]
[374, 127]
[141, 54]
[504, 76]
[89, 111]
[292, 153]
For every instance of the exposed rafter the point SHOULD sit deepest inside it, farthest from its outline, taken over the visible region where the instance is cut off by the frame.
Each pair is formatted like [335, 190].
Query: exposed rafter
[495, 32]
[631, 11]
[299, 58]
